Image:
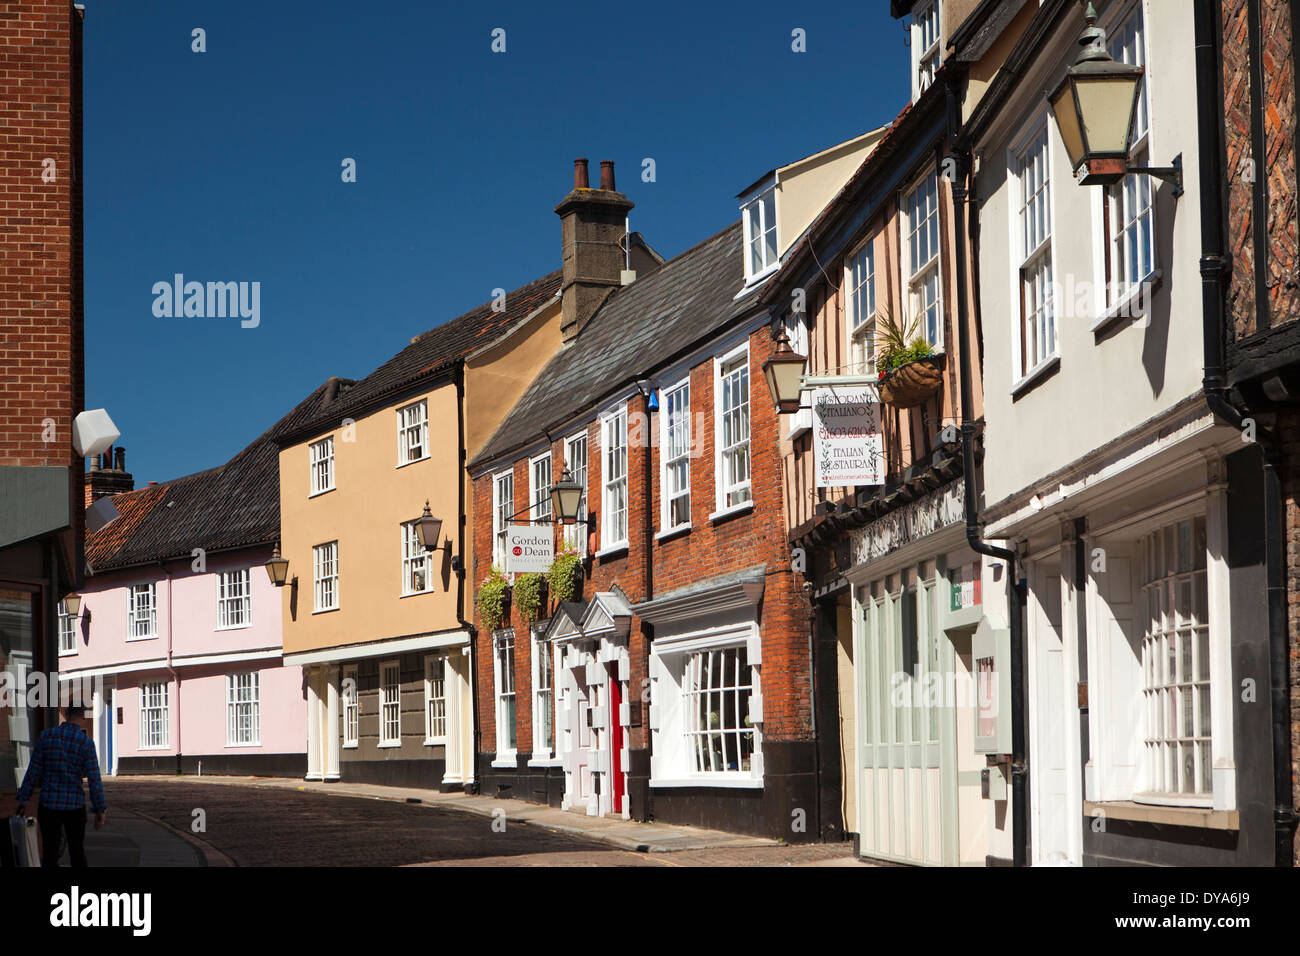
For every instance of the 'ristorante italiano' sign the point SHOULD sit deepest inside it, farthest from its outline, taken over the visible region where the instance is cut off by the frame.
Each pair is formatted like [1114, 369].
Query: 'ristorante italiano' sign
[848, 448]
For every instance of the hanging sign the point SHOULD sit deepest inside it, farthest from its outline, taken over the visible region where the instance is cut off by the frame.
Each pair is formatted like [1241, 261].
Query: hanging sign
[529, 547]
[848, 447]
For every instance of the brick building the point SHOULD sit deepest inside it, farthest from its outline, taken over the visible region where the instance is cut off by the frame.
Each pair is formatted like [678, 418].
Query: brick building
[41, 350]
[673, 683]
[1250, 260]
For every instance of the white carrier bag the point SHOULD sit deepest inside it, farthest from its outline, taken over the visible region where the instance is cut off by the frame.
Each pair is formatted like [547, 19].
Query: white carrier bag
[22, 834]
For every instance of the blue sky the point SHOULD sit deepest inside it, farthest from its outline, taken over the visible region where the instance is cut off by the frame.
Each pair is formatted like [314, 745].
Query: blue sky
[225, 166]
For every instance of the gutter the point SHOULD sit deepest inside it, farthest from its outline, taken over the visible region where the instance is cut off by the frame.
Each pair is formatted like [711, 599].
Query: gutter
[171, 669]
[469, 776]
[1019, 767]
[1213, 266]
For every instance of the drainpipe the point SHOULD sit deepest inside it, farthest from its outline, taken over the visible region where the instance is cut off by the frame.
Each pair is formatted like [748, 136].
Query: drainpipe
[172, 670]
[469, 777]
[1213, 265]
[1019, 768]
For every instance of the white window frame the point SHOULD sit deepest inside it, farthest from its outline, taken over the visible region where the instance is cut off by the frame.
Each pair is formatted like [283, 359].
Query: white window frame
[612, 424]
[540, 479]
[760, 219]
[926, 57]
[321, 466]
[502, 509]
[543, 665]
[142, 612]
[415, 560]
[860, 307]
[674, 756]
[917, 274]
[351, 694]
[387, 702]
[436, 670]
[412, 432]
[505, 699]
[724, 488]
[1041, 259]
[154, 699]
[325, 577]
[244, 700]
[575, 535]
[234, 594]
[674, 459]
[67, 631]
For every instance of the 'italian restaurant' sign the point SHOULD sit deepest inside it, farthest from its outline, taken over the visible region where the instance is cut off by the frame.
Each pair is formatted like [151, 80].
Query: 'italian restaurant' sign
[848, 447]
[529, 548]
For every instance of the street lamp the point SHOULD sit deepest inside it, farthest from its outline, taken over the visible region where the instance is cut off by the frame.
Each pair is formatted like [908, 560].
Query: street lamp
[1094, 108]
[72, 604]
[566, 498]
[784, 372]
[428, 529]
[277, 568]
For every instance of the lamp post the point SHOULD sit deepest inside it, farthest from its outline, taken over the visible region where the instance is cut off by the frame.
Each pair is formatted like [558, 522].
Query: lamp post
[277, 568]
[1094, 106]
[72, 604]
[784, 373]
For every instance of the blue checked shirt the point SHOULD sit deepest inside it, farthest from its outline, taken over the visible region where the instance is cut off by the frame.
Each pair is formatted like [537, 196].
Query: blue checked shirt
[64, 755]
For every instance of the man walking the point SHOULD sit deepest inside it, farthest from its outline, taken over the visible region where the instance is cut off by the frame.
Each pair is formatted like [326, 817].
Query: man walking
[62, 756]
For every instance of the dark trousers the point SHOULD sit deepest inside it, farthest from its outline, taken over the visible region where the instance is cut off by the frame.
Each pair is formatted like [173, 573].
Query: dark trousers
[53, 824]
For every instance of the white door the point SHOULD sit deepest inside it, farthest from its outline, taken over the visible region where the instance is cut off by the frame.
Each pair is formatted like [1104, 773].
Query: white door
[1052, 721]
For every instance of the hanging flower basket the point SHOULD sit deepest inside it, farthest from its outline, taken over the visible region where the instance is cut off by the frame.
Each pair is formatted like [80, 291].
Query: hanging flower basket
[911, 383]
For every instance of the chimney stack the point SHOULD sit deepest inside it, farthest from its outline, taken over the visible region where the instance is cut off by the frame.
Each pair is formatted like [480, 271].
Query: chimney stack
[107, 475]
[593, 226]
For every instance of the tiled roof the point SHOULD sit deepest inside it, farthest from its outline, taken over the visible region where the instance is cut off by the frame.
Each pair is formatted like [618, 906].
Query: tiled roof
[640, 327]
[230, 506]
[437, 350]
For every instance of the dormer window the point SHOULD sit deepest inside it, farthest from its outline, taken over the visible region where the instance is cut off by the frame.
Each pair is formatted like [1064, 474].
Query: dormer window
[925, 45]
[760, 235]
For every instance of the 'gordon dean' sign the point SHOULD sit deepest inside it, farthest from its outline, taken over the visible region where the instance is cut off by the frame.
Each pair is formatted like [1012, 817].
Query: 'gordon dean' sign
[529, 548]
[848, 448]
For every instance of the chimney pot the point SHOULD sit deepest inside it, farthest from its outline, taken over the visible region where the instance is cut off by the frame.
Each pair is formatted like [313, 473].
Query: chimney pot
[119, 458]
[607, 174]
[580, 180]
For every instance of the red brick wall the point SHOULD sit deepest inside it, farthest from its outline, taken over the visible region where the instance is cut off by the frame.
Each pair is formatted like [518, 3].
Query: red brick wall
[40, 235]
[708, 550]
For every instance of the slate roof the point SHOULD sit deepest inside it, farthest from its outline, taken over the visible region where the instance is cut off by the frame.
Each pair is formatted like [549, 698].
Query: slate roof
[435, 351]
[639, 328]
[233, 505]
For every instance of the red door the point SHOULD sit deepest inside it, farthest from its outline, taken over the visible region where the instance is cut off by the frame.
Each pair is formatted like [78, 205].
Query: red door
[615, 739]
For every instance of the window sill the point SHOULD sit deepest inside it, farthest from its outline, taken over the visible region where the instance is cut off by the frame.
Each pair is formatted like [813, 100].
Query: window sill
[388, 746]
[1135, 305]
[233, 627]
[546, 762]
[156, 748]
[673, 532]
[1036, 375]
[415, 593]
[146, 637]
[728, 782]
[323, 491]
[723, 513]
[755, 282]
[413, 461]
[67, 653]
[351, 746]
[612, 550]
[435, 741]
[243, 746]
[324, 610]
[506, 761]
[1205, 818]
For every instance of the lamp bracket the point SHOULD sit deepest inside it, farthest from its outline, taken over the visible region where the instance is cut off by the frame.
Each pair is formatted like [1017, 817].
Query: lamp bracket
[1172, 173]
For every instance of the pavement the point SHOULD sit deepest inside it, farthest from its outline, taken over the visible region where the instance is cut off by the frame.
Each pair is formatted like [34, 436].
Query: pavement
[154, 798]
[130, 839]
